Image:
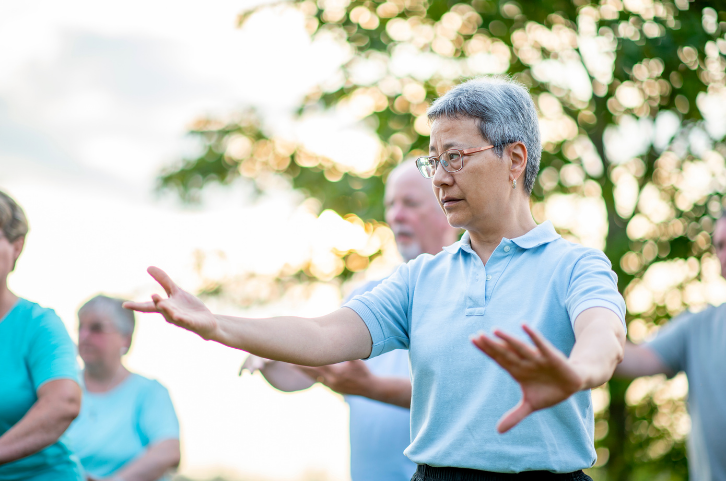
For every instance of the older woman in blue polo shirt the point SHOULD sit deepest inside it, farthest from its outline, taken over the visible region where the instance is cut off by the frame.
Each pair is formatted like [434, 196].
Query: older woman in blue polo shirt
[546, 312]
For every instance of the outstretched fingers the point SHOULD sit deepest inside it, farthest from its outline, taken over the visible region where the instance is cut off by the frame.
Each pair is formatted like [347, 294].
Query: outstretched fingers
[524, 351]
[140, 306]
[163, 279]
[499, 352]
[542, 344]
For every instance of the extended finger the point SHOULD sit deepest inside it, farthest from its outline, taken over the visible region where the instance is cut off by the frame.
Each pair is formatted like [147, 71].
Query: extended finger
[500, 353]
[514, 416]
[140, 306]
[518, 346]
[163, 279]
[542, 344]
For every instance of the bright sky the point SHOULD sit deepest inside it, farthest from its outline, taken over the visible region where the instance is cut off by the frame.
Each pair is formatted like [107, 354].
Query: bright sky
[94, 99]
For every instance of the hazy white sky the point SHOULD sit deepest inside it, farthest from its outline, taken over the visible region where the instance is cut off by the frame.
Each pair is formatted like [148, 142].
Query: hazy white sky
[94, 99]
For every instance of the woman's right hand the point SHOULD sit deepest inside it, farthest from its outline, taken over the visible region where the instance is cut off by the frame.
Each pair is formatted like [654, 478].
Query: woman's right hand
[180, 308]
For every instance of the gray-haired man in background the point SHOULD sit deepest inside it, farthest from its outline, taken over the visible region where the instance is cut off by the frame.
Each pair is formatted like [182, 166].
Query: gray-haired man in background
[696, 344]
[378, 391]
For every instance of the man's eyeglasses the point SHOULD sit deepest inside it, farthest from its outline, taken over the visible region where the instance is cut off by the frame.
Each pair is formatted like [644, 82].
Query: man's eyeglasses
[452, 161]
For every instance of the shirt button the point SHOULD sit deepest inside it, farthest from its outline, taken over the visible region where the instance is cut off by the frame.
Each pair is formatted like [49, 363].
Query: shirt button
[489, 278]
[506, 248]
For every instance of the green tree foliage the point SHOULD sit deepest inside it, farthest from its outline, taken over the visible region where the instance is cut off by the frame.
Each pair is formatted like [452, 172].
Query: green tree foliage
[597, 71]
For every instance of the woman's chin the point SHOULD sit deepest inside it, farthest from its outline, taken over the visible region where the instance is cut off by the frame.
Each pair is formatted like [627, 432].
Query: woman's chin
[456, 219]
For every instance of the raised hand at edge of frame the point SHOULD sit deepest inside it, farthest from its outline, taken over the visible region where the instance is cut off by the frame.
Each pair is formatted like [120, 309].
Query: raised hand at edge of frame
[544, 374]
[179, 308]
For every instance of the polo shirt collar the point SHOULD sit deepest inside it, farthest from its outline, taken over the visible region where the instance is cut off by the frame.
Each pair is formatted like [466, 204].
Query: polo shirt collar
[542, 234]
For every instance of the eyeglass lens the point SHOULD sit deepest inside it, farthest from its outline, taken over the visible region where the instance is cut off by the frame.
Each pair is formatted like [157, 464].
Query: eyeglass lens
[451, 160]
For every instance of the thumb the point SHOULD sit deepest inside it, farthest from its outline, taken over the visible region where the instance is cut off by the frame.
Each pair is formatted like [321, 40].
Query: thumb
[514, 416]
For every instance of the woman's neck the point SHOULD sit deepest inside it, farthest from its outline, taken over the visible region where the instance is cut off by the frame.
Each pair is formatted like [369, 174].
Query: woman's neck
[101, 378]
[7, 300]
[512, 224]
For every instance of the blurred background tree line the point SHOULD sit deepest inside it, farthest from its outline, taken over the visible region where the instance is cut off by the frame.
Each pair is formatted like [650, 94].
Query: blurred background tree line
[631, 97]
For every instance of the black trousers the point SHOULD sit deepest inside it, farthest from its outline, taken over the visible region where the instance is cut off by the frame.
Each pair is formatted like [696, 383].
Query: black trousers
[430, 473]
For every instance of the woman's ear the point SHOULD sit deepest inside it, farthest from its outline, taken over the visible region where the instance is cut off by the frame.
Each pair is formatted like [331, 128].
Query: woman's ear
[518, 158]
[18, 245]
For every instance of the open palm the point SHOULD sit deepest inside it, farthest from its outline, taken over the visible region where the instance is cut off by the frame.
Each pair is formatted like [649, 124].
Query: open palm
[180, 308]
[543, 373]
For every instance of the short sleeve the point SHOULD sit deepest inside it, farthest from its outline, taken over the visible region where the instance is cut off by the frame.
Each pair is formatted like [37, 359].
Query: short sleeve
[385, 311]
[51, 353]
[593, 284]
[157, 419]
[671, 340]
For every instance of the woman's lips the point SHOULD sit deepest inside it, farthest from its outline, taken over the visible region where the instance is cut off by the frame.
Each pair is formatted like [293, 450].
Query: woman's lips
[450, 202]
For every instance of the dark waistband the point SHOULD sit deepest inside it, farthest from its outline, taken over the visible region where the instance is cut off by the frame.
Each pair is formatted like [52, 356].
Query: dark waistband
[430, 473]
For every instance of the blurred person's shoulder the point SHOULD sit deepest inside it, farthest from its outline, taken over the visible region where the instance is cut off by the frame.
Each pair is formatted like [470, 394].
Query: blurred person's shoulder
[30, 310]
[31, 317]
[145, 384]
[711, 316]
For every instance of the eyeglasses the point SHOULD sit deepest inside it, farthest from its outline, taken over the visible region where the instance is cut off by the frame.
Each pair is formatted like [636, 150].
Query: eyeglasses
[452, 161]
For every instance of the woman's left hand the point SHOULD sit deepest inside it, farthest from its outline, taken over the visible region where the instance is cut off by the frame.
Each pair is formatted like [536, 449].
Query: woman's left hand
[545, 375]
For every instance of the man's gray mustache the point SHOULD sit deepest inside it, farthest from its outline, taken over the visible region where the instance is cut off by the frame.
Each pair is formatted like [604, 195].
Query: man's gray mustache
[398, 232]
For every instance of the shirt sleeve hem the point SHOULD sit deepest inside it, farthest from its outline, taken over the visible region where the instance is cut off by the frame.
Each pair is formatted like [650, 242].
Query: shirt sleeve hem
[73, 378]
[590, 303]
[372, 323]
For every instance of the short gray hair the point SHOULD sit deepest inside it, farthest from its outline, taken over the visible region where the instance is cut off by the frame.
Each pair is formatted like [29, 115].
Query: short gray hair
[123, 319]
[13, 222]
[506, 114]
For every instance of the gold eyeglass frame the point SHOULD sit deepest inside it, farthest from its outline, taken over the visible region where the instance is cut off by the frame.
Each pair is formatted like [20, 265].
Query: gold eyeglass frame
[436, 159]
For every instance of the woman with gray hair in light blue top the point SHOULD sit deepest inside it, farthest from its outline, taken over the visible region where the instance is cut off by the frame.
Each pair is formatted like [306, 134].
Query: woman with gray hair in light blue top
[551, 311]
[127, 429]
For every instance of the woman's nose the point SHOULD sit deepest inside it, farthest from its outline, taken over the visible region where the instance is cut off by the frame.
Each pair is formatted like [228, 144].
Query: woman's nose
[441, 177]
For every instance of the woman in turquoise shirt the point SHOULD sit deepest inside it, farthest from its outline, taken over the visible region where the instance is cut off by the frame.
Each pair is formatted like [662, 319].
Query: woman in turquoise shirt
[127, 429]
[551, 311]
[39, 391]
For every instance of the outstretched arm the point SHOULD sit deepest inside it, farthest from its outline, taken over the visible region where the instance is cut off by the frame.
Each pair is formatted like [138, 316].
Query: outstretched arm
[355, 379]
[339, 336]
[280, 375]
[349, 378]
[545, 375]
[641, 360]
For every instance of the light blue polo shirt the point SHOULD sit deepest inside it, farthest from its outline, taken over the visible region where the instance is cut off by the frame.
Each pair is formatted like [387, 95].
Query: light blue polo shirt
[433, 304]
[380, 432]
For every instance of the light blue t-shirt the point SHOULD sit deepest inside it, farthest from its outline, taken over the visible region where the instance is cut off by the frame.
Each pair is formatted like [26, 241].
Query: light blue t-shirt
[379, 432]
[116, 427]
[432, 305]
[34, 348]
[695, 343]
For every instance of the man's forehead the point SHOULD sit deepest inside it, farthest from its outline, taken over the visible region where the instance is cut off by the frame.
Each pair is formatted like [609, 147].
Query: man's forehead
[720, 229]
[408, 182]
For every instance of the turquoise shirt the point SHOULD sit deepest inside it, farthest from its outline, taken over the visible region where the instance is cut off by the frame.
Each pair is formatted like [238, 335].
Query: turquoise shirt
[34, 348]
[379, 432]
[116, 427]
[432, 305]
